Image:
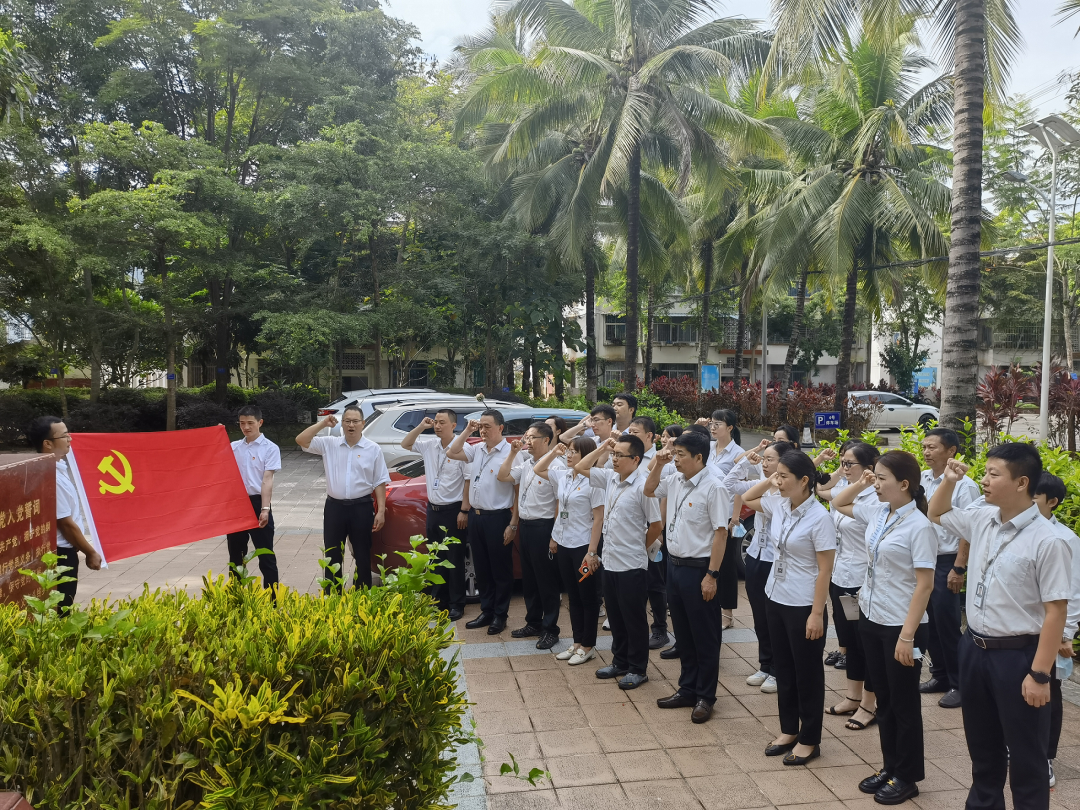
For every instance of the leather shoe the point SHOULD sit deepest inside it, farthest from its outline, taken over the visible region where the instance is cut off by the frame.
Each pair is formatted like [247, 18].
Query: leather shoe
[896, 791]
[547, 641]
[632, 680]
[528, 631]
[604, 673]
[456, 613]
[795, 759]
[497, 626]
[676, 701]
[950, 700]
[702, 712]
[483, 620]
[934, 685]
[776, 749]
[658, 640]
[669, 653]
[871, 783]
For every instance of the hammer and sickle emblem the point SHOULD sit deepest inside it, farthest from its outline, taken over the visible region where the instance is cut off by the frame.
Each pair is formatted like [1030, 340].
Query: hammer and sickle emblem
[123, 480]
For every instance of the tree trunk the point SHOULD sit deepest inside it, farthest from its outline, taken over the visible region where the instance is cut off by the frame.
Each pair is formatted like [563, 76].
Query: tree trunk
[793, 342]
[535, 370]
[220, 296]
[1066, 318]
[489, 358]
[95, 337]
[590, 330]
[61, 388]
[526, 367]
[170, 343]
[401, 244]
[740, 329]
[560, 361]
[847, 341]
[960, 359]
[650, 319]
[372, 244]
[633, 225]
[706, 304]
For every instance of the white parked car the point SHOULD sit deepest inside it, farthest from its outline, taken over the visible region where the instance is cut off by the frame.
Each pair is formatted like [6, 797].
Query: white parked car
[896, 412]
[372, 401]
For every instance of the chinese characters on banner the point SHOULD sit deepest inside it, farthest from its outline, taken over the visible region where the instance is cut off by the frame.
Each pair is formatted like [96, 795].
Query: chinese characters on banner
[27, 522]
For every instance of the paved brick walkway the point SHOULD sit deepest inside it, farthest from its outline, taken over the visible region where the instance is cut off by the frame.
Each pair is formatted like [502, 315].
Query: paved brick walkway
[606, 749]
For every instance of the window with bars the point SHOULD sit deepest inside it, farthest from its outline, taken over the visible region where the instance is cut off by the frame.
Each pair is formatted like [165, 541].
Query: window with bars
[353, 361]
[614, 329]
[675, 330]
[613, 373]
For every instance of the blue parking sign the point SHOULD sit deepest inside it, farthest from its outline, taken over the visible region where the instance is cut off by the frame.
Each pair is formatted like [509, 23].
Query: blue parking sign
[827, 420]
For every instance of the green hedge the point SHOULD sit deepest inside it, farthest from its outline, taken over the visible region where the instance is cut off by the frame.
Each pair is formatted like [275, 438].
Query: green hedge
[167, 702]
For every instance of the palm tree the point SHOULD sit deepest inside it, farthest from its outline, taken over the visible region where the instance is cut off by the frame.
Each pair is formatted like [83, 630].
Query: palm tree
[632, 79]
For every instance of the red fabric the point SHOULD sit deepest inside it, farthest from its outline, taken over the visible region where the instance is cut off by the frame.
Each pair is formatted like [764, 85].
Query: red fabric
[184, 486]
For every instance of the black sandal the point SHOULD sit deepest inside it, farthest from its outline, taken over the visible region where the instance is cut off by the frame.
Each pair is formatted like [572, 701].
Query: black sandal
[832, 709]
[858, 725]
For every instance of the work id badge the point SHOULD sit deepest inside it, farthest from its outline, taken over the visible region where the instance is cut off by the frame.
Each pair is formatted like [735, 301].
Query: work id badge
[780, 570]
[671, 528]
[435, 484]
[870, 571]
[980, 594]
[476, 479]
[564, 515]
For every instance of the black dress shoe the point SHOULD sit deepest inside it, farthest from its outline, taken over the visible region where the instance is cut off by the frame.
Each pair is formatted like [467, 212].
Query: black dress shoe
[702, 712]
[632, 680]
[547, 641]
[934, 685]
[610, 672]
[528, 631]
[497, 626]
[483, 620]
[830, 659]
[456, 613]
[658, 640]
[841, 661]
[676, 701]
[950, 700]
[669, 653]
[795, 759]
[896, 791]
[776, 749]
[871, 783]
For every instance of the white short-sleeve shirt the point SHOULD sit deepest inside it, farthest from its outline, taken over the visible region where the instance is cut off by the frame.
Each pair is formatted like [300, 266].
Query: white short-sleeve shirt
[536, 497]
[1020, 564]
[721, 461]
[486, 491]
[898, 546]
[351, 472]
[627, 516]
[444, 476]
[1069, 536]
[255, 458]
[797, 536]
[577, 499]
[849, 568]
[696, 509]
[965, 493]
[67, 501]
[738, 480]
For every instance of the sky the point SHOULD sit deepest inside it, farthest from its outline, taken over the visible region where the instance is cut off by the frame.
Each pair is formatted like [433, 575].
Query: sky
[1049, 49]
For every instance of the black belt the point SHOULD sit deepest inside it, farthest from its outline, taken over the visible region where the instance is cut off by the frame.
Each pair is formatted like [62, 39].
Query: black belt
[531, 521]
[1005, 643]
[689, 562]
[490, 511]
[444, 507]
[350, 501]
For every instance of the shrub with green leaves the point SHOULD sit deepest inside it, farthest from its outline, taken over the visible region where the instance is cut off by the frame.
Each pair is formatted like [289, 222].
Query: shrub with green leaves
[228, 701]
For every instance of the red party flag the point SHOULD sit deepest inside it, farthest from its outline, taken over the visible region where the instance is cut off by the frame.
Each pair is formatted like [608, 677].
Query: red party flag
[148, 491]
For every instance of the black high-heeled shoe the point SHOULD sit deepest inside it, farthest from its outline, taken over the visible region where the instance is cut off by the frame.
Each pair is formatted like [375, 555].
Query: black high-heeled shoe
[795, 759]
[776, 749]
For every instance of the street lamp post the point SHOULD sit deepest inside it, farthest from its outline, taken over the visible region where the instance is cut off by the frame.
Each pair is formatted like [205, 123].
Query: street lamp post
[1057, 135]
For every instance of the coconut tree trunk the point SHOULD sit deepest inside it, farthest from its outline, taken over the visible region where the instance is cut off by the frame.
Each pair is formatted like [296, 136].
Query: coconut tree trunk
[170, 343]
[535, 370]
[1066, 317]
[847, 339]
[377, 371]
[590, 329]
[740, 329]
[560, 360]
[796, 333]
[960, 359]
[526, 369]
[706, 304]
[633, 225]
[650, 320]
[96, 349]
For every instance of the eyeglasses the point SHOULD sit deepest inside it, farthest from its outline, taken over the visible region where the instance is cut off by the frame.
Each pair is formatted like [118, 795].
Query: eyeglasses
[353, 422]
[847, 465]
[623, 455]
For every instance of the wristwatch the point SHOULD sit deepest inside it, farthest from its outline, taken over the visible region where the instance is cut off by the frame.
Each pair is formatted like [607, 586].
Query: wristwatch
[713, 574]
[1039, 677]
[959, 569]
[593, 554]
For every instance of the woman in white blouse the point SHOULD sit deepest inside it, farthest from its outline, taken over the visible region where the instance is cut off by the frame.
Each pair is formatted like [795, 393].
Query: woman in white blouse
[802, 534]
[902, 546]
[725, 451]
[847, 577]
[579, 519]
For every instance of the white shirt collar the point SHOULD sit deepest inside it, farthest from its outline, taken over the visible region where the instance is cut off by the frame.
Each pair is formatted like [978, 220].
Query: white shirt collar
[1021, 520]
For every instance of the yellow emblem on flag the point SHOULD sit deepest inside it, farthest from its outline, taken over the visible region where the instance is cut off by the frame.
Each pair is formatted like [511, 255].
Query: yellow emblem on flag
[123, 480]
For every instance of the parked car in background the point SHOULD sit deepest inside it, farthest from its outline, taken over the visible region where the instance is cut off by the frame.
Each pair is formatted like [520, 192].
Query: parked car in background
[380, 400]
[896, 411]
[519, 417]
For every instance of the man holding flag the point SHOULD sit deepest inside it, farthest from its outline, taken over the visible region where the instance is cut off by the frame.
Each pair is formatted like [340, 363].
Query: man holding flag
[258, 459]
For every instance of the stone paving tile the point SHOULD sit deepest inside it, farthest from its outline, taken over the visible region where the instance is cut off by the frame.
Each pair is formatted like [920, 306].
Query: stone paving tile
[729, 792]
[577, 771]
[661, 794]
[630, 766]
[593, 797]
[791, 785]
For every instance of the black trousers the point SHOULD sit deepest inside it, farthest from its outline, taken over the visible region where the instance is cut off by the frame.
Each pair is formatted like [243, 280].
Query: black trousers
[260, 538]
[1057, 712]
[1004, 734]
[757, 574]
[944, 613]
[70, 558]
[899, 708]
[539, 575]
[441, 524]
[847, 633]
[800, 671]
[492, 561]
[658, 599]
[352, 522]
[584, 597]
[625, 594]
[727, 587]
[698, 627]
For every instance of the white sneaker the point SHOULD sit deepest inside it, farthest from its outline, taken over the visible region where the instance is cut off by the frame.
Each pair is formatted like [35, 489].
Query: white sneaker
[1053, 779]
[769, 686]
[581, 657]
[566, 654]
[757, 679]
[607, 624]
[603, 612]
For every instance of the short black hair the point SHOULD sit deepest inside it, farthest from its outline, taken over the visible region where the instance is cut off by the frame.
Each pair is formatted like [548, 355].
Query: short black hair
[949, 438]
[605, 411]
[675, 430]
[544, 429]
[695, 444]
[1022, 459]
[696, 428]
[636, 447]
[40, 431]
[646, 422]
[494, 414]
[352, 406]
[629, 399]
[450, 413]
[1052, 487]
[250, 410]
